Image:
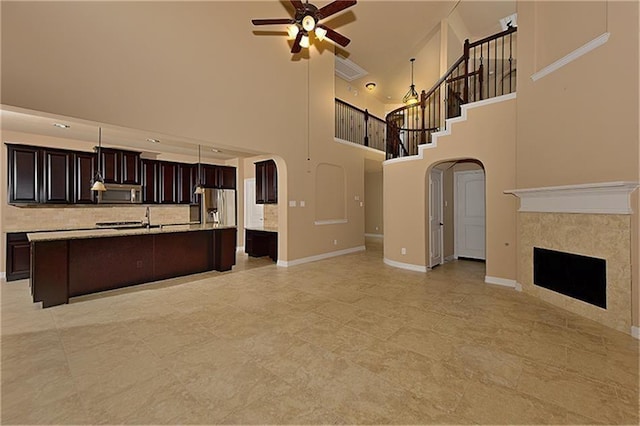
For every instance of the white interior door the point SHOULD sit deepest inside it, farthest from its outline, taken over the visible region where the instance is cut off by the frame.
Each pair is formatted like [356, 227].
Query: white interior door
[470, 214]
[435, 218]
[253, 213]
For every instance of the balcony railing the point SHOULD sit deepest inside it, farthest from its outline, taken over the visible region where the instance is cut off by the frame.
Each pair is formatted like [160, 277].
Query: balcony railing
[359, 126]
[486, 69]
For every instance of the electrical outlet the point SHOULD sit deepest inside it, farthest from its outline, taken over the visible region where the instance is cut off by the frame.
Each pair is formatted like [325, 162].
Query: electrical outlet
[403, 250]
[302, 203]
[335, 242]
[377, 228]
[292, 203]
[139, 264]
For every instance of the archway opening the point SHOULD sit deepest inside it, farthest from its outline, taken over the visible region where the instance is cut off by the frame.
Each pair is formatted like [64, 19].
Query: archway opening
[456, 219]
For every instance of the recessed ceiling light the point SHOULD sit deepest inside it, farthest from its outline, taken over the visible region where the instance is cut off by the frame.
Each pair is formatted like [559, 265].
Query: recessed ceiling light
[153, 140]
[61, 125]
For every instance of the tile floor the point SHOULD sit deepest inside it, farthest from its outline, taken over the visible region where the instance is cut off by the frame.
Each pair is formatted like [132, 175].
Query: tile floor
[346, 340]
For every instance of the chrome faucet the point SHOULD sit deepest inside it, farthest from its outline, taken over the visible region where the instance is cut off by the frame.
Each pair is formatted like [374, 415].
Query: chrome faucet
[147, 217]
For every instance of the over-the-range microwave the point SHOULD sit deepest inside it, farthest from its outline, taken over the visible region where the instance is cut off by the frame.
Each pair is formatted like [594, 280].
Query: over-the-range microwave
[120, 194]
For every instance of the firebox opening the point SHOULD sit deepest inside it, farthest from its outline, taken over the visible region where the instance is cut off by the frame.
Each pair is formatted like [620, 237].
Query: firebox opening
[574, 275]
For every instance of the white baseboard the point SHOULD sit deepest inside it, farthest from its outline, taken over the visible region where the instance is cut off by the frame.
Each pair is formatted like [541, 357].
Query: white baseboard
[287, 263]
[3, 276]
[635, 331]
[502, 281]
[408, 266]
[374, 235]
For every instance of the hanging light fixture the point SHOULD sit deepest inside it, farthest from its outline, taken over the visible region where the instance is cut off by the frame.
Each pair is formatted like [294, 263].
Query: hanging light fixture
[98, 181]
[199, 187]
[412, 96]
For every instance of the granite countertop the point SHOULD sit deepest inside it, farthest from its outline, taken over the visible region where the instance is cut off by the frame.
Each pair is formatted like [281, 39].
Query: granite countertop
[110, 232]
[262, 228]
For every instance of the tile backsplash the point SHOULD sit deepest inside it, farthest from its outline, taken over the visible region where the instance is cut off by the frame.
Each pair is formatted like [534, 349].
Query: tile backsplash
[24, 219]
[270, 215]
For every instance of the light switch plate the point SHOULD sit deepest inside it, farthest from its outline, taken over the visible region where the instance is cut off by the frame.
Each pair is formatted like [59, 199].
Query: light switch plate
[292, 203]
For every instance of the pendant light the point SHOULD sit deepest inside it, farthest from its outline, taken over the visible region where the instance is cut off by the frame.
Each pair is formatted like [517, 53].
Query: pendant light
[199, 188]
[98, 181]
[412, 96]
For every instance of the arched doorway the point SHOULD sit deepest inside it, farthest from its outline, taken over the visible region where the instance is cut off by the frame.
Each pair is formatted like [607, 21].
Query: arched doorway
[456, 211]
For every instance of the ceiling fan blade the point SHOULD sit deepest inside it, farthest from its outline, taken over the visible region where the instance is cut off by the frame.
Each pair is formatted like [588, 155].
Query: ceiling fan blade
[335, 36]
[334, 7]
[297, 4]
[272, 21]
[296, 43]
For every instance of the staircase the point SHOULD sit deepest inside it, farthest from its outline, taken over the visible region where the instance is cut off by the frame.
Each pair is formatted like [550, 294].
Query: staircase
[486, 69]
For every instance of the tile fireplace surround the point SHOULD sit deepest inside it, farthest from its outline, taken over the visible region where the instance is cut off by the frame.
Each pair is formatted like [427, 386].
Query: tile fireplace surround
[589, 220]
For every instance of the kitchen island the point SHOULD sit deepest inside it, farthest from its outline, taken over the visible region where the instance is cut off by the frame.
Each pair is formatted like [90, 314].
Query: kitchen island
[74, 263]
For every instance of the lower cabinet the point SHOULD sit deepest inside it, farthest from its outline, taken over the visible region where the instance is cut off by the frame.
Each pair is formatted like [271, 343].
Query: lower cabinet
[72, 267]
[18, 256]
[224, 249]
[261, 243]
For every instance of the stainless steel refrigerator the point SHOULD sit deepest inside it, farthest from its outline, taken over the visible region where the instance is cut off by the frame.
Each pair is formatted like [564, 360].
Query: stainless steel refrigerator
[220, 206]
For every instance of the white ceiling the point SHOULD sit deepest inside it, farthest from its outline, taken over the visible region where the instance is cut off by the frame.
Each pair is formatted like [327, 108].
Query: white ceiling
[384, 35]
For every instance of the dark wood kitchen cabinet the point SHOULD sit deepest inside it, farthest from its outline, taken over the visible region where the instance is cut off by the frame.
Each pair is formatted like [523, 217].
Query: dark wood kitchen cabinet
[149, 181]
[168, 182]
[224, 249]
[110, 165]
[18, 256]
[69, 267]
[84, 172]
[226, 177]
[266, 182]
[223, 177]
[24, 174]
[58, 176]
[258, 243]
[119, 166]
[130, 167]
[186, 183]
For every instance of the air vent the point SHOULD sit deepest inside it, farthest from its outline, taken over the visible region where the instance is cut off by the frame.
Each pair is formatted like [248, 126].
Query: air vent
[348, 70]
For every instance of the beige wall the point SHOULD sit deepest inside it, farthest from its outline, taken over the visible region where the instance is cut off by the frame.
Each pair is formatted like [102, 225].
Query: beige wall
[356, 94]
[488, 136]
[192, 83]
[373, 217]
[579, 124]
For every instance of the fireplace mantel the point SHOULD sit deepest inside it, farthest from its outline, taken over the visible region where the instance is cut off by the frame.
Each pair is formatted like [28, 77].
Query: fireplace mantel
[591, 198]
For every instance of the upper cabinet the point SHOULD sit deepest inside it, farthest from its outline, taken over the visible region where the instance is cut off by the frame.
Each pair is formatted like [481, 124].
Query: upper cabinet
[214, 176]
[58, 175]
[84, 172]
[24, 174]
[149, 181]
[118, 166]
[50, 175]
[266, 182]
[168, 182]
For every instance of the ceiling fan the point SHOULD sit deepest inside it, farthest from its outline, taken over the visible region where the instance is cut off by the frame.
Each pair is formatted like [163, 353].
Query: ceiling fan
[307, 19]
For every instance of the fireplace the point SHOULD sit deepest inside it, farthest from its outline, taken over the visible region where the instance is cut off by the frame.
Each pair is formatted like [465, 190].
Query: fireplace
[555, 223]
[580, 277]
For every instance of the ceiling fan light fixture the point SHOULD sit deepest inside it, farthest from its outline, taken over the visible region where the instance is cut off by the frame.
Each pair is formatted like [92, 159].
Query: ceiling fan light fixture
[304, 41]
[320, 33]
[293, 30]
[412, 96]
[308, 23]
